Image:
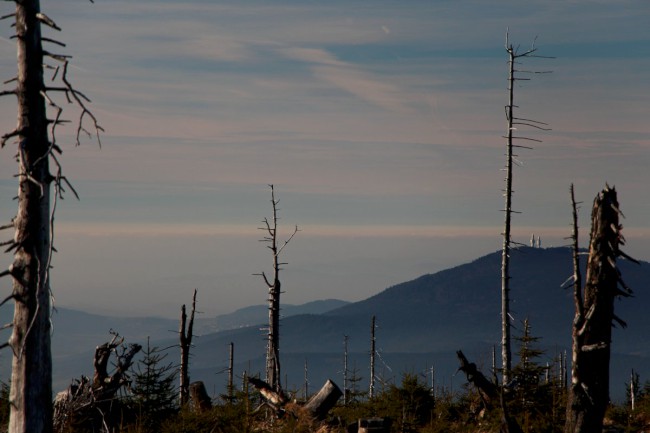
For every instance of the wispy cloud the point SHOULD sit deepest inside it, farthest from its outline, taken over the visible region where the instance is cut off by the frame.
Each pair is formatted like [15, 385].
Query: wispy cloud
[352, 79]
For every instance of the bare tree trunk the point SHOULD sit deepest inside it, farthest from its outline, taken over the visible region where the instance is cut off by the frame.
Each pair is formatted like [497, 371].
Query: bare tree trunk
[371, 389]
[512, 125]
[594, 316]
[506, 352]
[345, 370]
[185, 335]
[31, 379]
[231, 363]
[274, 286]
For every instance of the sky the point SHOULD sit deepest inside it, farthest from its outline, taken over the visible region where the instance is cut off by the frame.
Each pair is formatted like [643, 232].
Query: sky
[380, 124]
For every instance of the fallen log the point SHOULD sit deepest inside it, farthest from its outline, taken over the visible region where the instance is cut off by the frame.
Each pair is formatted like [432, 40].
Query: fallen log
[324, 400]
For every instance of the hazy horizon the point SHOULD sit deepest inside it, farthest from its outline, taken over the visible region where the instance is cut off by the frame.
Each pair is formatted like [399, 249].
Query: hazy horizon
[380, 124]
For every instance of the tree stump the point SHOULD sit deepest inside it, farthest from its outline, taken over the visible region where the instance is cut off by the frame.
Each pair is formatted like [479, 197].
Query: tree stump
[199, 398]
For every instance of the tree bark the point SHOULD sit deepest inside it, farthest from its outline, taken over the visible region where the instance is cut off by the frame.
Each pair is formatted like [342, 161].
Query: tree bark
[31, 378]
[324, 400]
[592, 326]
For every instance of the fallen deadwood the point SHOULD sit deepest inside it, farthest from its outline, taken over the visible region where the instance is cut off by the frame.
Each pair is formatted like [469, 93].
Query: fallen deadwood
[323, 401]
[489, 393]
[486, 389]
[91, 405]
[275, 400]
[316, 408]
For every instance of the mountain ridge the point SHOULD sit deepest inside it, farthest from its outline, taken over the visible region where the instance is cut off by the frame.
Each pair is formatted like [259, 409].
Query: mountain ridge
[421, 321]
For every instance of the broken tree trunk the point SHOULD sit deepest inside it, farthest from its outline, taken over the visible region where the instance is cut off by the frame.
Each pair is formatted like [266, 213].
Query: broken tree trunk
[594, 317]
[199, 398]
[486, 389]
[323, 401]
[185, 336]
[276, 399]
[89, 405]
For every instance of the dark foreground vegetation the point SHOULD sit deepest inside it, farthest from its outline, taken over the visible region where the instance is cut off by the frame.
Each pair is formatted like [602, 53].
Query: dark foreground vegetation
[535, 400]
[408, 407]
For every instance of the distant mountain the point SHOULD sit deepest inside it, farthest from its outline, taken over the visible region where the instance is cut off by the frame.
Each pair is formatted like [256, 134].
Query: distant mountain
[76, 333]
[425, 320]
[420, 323]
[258, 314]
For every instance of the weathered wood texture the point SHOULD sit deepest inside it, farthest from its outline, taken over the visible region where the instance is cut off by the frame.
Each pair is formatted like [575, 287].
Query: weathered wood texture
[324, 400]
[92, 405]
[31, 379]
[594, 317]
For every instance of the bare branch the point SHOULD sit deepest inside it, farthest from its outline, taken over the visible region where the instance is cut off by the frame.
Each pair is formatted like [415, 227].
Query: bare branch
[8, 92]
[61, 44]
[47, 21]
[8, 298]
[59, 57]
[288, 240]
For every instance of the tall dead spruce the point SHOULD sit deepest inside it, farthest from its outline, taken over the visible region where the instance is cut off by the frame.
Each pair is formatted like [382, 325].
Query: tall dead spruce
[514, 75]
[273, 342]
[31, 380]
[594, 315]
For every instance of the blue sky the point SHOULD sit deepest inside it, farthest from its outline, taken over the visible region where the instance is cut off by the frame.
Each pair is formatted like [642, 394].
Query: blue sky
[379, 122]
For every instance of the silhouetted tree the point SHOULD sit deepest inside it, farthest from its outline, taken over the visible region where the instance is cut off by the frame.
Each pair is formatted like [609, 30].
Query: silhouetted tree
[273, 339]
[185, 334]
[31, 381]
[514, 75]
[594, 315]
[154, 393]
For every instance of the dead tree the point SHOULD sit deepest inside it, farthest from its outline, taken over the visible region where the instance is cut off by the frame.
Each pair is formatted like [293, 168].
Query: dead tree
[199, 397]
[91, 404]
[231, 364]
[324, 400]
[489, 393]
[514, 74]
[272, 399]
[594, 315]
[373, 352]
[274, 286]
[345, 370]
[31, 380]
[487, 390]
[185, 336]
